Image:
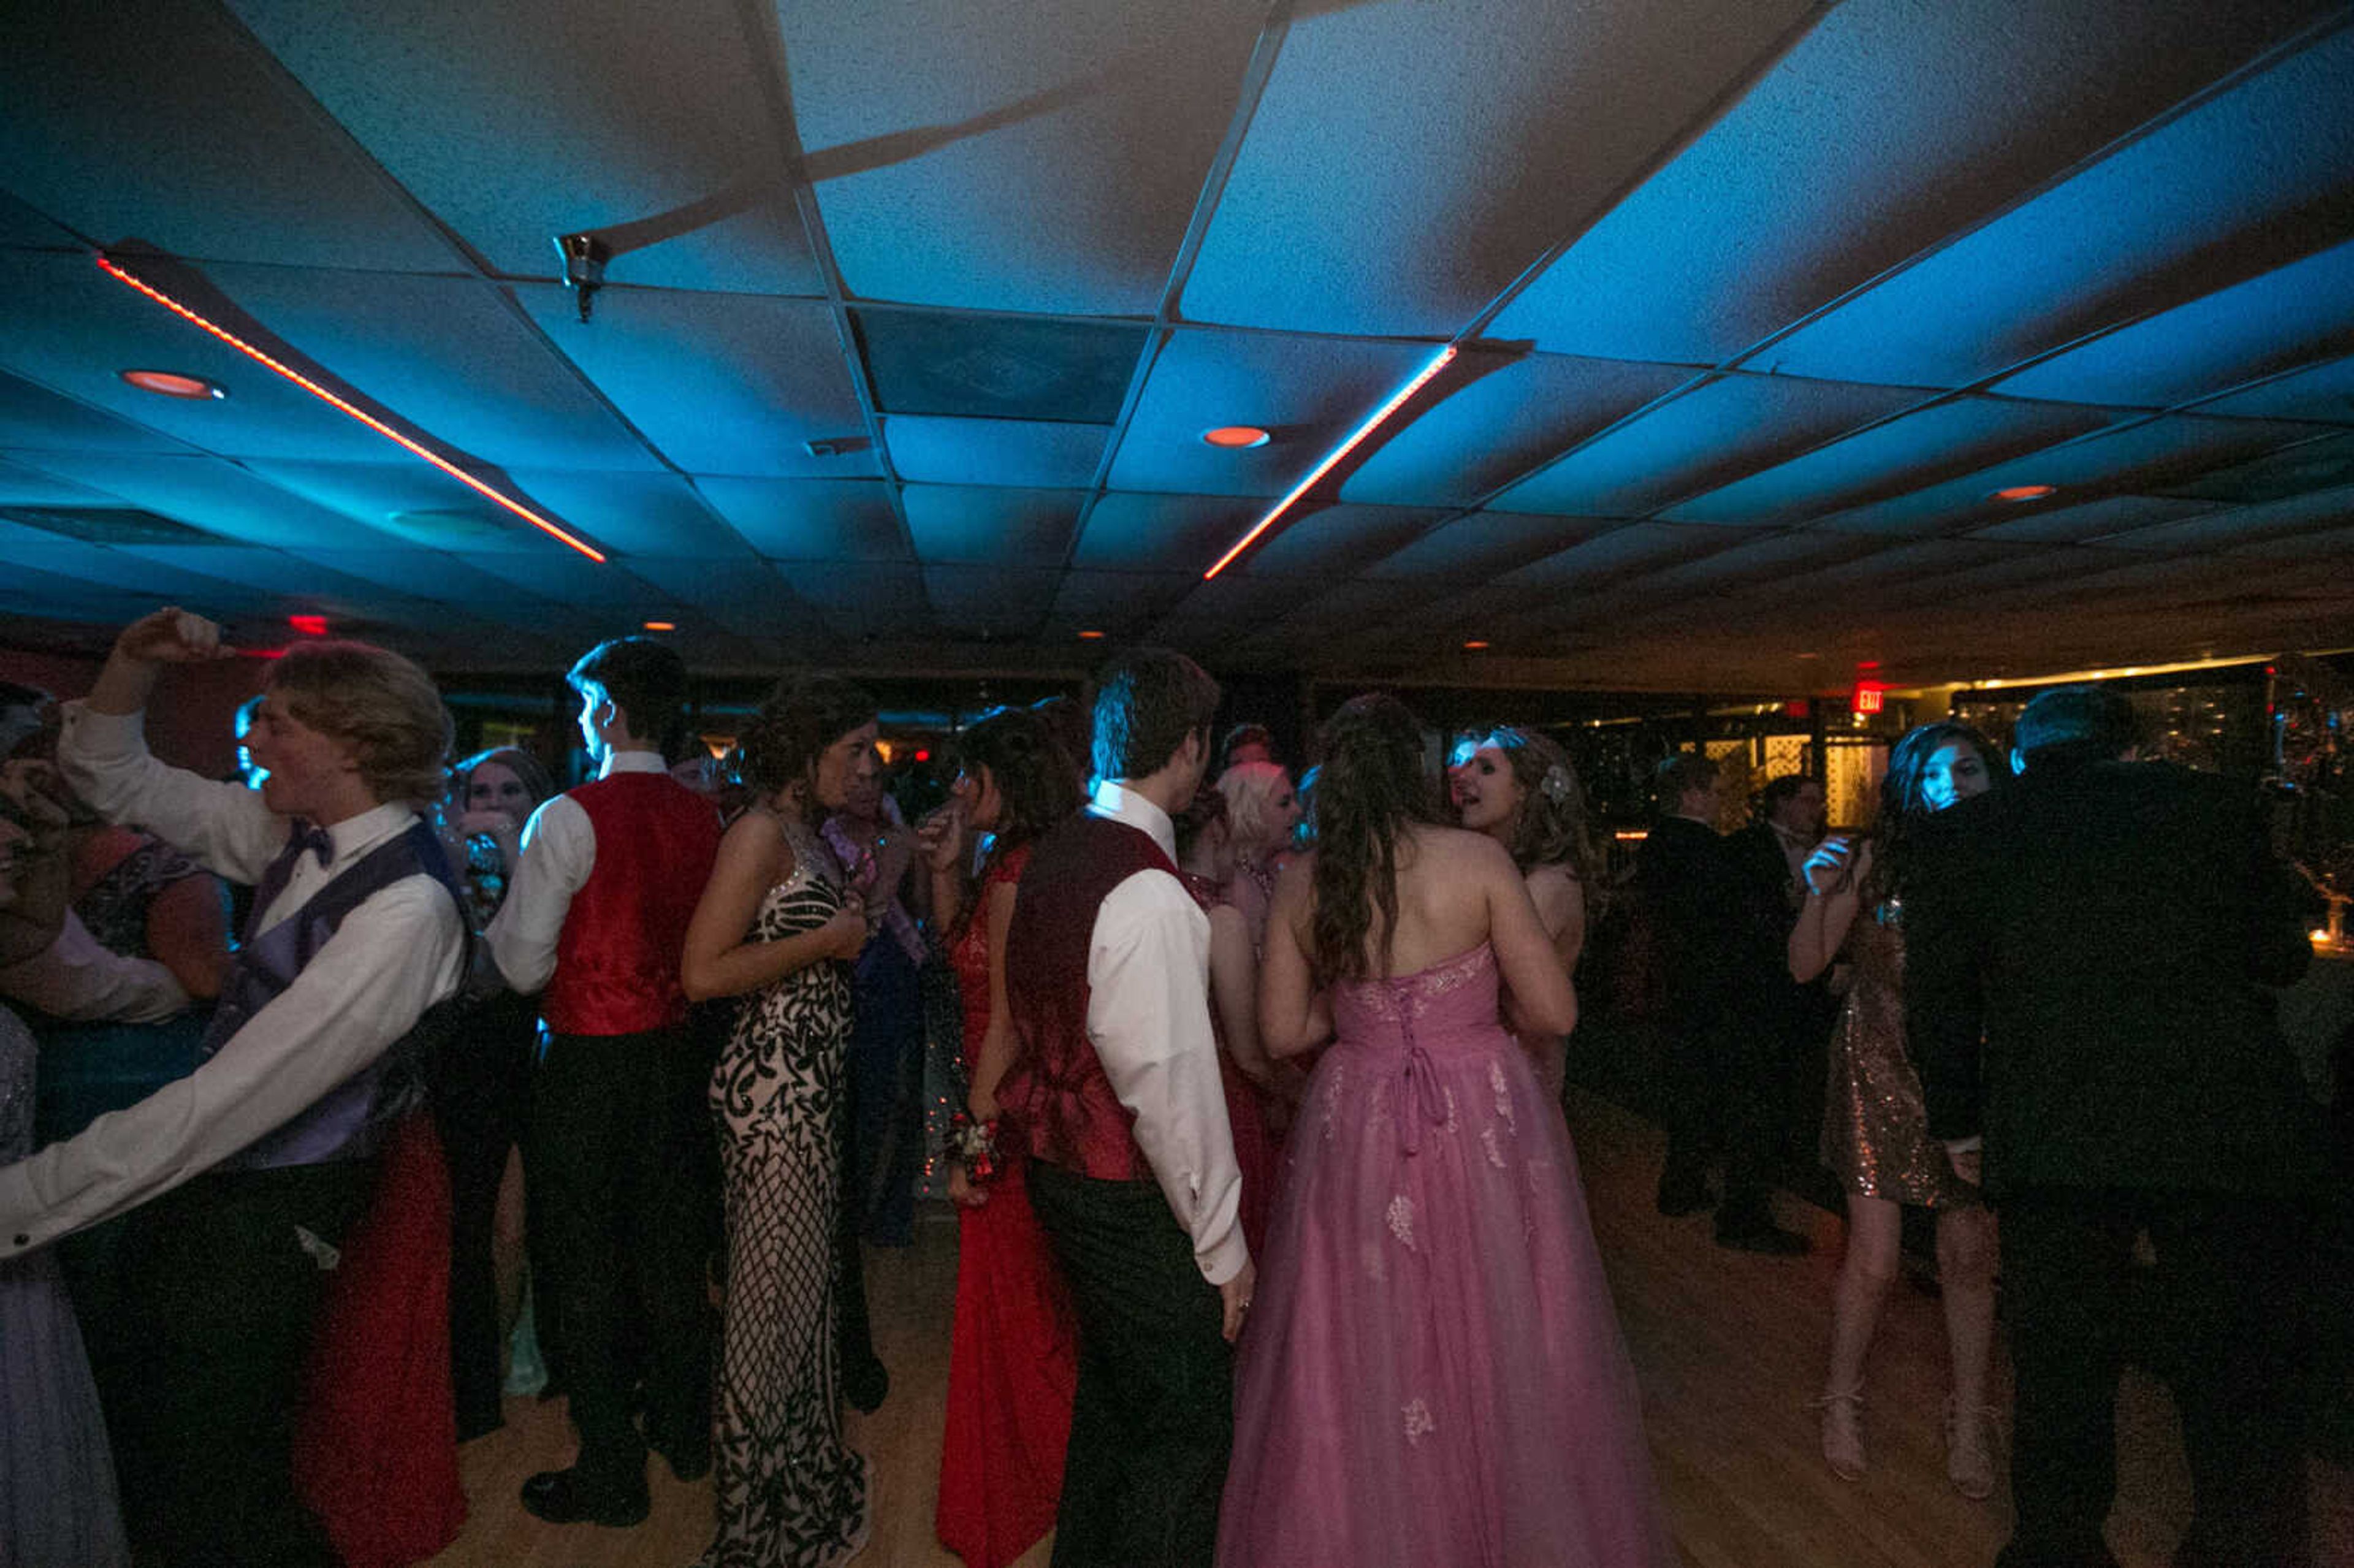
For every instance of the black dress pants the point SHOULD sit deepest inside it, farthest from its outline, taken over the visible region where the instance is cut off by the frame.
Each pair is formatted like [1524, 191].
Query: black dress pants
[225, 1276]
[1153, 1423]
[617, 1162]
[1724, 1085]
[482, 1104]
[2218, 1319]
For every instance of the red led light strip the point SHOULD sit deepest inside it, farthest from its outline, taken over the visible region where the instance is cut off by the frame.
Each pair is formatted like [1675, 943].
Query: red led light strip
[1397, 400]
[345, 406]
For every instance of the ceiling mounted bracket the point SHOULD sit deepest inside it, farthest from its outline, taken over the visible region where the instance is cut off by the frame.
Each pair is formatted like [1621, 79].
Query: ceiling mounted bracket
[585, 255]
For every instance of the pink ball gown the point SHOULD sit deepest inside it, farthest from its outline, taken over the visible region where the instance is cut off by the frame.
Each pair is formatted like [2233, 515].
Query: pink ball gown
[1433, 1371]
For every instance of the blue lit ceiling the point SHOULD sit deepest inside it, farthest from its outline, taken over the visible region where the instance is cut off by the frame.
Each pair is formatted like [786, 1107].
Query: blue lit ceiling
[917, 310]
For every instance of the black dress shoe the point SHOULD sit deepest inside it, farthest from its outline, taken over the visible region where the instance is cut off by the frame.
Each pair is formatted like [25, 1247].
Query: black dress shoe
[689, 1460]
[563, 1497]
[1769, 1239]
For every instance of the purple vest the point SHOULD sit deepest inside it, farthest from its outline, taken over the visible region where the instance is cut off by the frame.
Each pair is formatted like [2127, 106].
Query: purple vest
[348, 1120]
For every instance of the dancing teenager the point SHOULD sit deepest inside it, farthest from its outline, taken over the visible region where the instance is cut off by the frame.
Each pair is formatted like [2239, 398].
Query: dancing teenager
[1115, 1084]
[2088, 953]
[1875, 1134]
[778, 927]
[1435, 1372]
[1013, 1361]
[247, 1173]
[1518, 788]
[595, 914]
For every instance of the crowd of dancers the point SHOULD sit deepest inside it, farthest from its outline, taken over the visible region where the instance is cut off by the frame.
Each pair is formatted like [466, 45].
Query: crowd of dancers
[1272, 1247]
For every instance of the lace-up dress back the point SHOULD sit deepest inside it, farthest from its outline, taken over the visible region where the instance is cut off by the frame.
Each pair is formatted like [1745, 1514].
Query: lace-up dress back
[1433, 1371]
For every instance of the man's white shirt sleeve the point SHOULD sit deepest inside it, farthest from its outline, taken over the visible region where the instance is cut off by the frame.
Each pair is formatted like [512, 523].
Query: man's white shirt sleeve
[224, 827]
[1148, 1016]
[559, 851]
[76, 979]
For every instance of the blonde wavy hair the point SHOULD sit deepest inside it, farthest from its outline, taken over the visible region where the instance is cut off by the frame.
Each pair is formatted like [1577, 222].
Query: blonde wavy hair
[1250, 788]
[381, 705]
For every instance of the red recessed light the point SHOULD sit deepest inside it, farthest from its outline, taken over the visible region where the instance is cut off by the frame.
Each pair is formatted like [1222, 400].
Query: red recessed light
[923, 756]
[309, 625]
[171, 384]
[1091, 636]
[2025, 493]
[661, 626]
[1476, 643]
[1235, 438]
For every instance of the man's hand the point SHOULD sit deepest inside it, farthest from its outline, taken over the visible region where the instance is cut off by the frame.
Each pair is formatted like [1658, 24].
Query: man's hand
[1236, 1295]
[172, 636]
[1970, 1163]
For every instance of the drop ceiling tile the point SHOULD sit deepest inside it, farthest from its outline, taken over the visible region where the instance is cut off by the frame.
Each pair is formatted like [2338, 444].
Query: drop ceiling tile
[120, 571]
[1338, 541]
[929, 450]
[1126, 532]
[219, 497]
[2233, 336]
[990, 601]
[1308, 393]
[1406, 162]
[406, 501]
[1013, 154]
[650, 122]
[2243, 183]
[34, 418]
[1703, 440]
[235, 164]
[1118, 603]
[438, 576]
[811, 519]
[957, 524]
[450, 356]
[2324, 391]
[2092, 519]
[1487, 544]
[1459, 441]
[634, 513]
[25, 484]
[1902, 455]
[1915, 118]
[999, 367]
[1621, 553]
[718, 383]
[863, 602]
[2153, 457]
[2234, 526]
[751, 598]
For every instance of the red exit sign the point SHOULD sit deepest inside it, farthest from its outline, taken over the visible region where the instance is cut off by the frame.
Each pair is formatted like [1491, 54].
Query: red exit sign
[1868, 696]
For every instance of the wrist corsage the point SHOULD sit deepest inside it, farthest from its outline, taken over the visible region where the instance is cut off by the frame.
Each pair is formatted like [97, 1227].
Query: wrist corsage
[974, 1144]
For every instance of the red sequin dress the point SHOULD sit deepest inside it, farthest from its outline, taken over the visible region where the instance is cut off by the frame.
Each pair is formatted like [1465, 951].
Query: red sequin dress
[1014, 1358]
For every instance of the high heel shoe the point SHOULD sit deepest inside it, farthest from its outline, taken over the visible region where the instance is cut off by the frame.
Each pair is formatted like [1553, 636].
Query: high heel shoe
[1842, 1417]
[1969, 1448]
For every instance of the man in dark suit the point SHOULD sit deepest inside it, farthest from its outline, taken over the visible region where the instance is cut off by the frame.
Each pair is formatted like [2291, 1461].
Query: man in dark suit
[2087, 955]
[1768, 853]
[1720, 1065]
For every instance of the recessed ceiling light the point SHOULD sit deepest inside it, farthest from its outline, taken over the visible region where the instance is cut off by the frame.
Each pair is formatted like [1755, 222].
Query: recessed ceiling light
[1476, 643]
[171, 384]
[2024, 492]
[661, 626]
[1091, 636]
[1235, 438]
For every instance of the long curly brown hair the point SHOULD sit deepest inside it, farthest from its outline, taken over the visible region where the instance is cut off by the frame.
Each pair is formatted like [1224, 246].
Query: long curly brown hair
[1372, 788]
[1550, 829]
[1033, 779]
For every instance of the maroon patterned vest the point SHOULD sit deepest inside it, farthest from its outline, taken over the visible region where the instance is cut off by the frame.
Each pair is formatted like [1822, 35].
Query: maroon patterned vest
[1056, 1089]
[617, 957]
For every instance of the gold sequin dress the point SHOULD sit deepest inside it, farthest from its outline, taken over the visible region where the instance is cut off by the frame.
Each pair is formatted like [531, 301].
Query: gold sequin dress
[1876, 1133]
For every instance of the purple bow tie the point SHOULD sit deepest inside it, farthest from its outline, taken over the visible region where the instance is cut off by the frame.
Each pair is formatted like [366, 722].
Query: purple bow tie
[303, 835]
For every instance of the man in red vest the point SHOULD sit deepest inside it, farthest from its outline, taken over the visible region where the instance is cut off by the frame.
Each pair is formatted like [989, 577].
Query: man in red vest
[596, 916]
[1115, 1091]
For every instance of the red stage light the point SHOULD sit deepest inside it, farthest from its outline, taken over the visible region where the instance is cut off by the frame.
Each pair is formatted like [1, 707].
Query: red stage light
[923, 756]
[309, 625]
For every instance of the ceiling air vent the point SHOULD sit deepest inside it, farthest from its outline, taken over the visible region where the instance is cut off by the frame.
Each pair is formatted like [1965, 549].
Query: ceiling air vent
[2296, 470]
[109, 526]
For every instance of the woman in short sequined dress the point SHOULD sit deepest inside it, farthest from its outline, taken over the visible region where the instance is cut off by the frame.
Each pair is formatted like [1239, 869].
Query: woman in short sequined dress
[1876, 1133]
[777, 926]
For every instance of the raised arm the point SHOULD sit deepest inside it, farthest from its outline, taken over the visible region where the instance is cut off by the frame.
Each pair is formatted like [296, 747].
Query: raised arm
[722, 957]
[1832, 896]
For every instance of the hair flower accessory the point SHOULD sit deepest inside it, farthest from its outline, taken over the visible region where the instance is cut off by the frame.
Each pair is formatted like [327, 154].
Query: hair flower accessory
[1555, 784]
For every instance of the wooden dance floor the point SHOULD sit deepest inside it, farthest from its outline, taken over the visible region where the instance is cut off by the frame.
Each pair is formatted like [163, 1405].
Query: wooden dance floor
[1729, 1347]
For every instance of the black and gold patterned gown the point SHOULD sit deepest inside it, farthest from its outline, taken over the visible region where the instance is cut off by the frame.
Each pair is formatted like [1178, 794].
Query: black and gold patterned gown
[788, 1493]
[1875, 1129]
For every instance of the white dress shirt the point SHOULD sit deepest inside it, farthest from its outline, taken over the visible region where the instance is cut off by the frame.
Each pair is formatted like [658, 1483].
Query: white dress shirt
[396, 955]
[559, 851]
[1149, 1018]
[79, 980]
